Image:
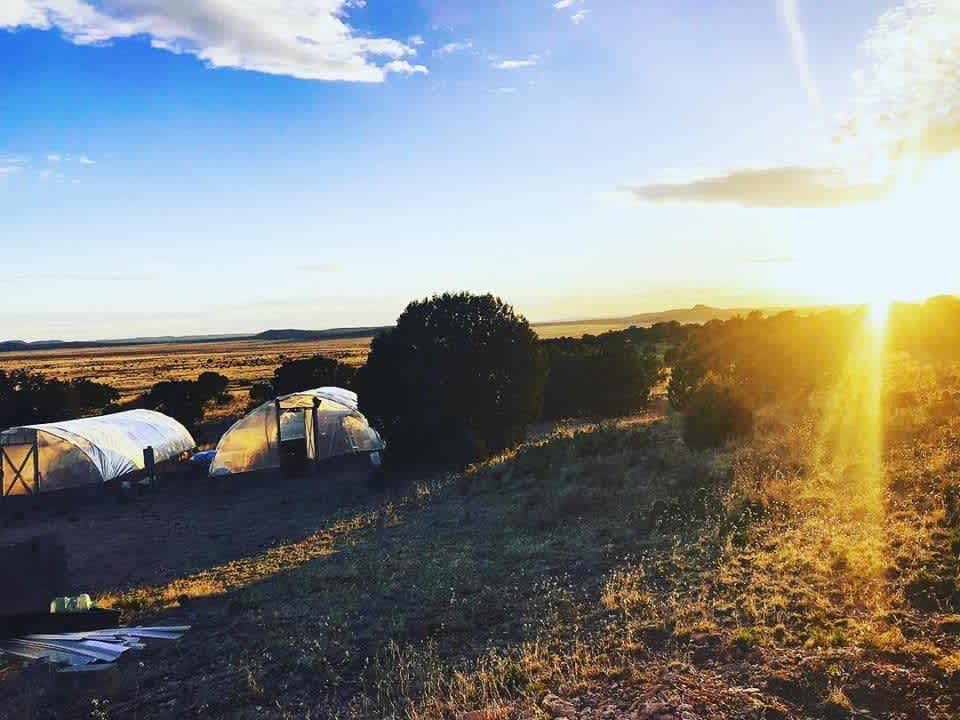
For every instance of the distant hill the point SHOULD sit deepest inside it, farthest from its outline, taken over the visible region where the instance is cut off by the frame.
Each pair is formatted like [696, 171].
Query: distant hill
[696, 314]
[9, 346]
[332, 334]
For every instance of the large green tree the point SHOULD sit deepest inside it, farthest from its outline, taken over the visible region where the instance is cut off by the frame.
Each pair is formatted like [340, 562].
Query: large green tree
[457, 379]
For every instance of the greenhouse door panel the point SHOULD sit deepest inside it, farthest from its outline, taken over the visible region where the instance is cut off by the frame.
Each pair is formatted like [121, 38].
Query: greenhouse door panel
[18, 469]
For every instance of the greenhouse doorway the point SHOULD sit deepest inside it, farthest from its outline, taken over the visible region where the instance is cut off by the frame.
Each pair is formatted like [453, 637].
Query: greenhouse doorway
[293, 439]
[299, 431]
[19, 464]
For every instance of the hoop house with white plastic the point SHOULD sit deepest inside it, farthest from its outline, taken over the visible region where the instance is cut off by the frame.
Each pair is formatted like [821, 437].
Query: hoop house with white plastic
[60, 455]
[326, 420]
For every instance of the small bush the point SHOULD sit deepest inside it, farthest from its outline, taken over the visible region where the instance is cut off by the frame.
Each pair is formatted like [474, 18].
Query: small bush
[716, 413]
[185, 400]
[27, 397]
[686, 376]
[312, 372]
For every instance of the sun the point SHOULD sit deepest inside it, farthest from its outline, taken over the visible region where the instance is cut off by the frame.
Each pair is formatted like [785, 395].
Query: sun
[878, 311]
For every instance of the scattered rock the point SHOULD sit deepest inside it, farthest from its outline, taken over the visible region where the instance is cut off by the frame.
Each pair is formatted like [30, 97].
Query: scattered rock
[558, 707]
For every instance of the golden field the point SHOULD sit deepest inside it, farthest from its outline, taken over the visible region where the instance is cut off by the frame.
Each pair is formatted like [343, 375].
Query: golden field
[598, 571]
[134, 369]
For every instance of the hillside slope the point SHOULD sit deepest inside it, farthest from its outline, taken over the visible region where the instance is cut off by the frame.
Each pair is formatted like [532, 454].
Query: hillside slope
[602, 571]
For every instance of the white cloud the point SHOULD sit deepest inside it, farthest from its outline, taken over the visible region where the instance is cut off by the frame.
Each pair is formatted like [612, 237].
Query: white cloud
[307, 39]
[84, 160]
[564, 4]
[790, 14]
[54, 158]
[402, 67]
[416, 40]
[529, 61]
[909, 96]
[454, 47]
[505, 90]
[906, 113]
[579, 16]
[776, 187]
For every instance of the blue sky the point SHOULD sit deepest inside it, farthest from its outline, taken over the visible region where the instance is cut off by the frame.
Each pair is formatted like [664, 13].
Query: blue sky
[172, 167]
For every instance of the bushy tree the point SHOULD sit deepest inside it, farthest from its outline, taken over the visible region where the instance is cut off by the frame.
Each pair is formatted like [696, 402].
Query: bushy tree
[715, 413]
[185, 400]
[212, 385]
[457, 379]
[686, 374]
[312, 372]
[260, 393]
[27, 398]
[599, 376]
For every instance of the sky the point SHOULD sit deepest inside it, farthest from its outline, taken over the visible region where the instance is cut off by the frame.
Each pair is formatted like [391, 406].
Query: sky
[194, 166]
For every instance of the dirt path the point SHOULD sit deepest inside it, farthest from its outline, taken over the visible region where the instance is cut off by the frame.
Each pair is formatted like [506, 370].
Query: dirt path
[188, 526]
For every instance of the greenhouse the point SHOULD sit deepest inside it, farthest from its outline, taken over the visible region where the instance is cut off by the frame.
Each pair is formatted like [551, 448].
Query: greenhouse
[313, 424]
[60, 455]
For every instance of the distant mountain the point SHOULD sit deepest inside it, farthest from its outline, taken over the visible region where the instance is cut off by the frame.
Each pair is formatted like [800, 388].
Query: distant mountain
[22, 346]
[10, 346]
[696, 314]
[332, 334]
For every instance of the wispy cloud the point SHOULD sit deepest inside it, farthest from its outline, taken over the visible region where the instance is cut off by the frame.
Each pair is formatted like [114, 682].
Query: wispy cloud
[780, 187]
[790, 15]
[515, 64]
[13, 278]
[579, 16]
[907, 111]
[307, 40]
[402, 67]
[416, 40]
[54, 158]
[84, 160]
[454, 47]
[909, 94]
[504, 90]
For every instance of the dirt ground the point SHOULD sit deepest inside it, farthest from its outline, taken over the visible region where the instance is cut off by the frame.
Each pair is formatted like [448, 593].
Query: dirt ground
[188, 525]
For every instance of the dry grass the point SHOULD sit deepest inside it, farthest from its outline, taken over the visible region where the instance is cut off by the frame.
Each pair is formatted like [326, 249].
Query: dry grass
[134, 369]
[610, 566]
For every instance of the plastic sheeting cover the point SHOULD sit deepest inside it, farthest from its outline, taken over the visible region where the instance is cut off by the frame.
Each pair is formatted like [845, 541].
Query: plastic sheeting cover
[251, 443]
[114, 443]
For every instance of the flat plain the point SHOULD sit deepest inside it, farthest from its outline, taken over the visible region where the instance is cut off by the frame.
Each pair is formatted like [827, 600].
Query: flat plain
[133, 369]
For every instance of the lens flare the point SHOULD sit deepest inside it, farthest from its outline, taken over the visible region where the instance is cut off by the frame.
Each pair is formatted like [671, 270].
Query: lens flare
[878, 310]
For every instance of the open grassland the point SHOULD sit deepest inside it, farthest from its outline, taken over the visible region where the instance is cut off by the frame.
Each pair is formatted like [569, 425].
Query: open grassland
[134, 369]
[578, 329]
[600, 571]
